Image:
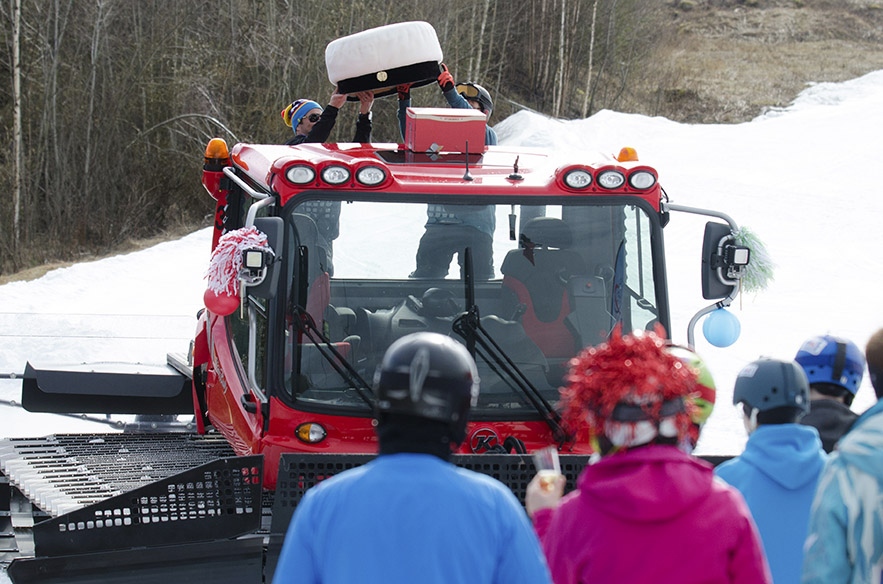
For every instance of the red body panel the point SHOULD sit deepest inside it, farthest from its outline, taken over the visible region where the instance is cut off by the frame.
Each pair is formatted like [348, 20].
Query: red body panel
[224, 391]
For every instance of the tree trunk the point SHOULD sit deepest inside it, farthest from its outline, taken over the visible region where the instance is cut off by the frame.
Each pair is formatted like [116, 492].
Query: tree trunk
[475, 74]
[16, 131]
[94, 54]
[559, 81]
[490, 48]
[470, 69]
[585, 110]
[503, 55]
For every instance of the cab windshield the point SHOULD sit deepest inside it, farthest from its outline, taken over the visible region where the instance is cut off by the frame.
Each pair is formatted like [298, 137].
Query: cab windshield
[544, 282]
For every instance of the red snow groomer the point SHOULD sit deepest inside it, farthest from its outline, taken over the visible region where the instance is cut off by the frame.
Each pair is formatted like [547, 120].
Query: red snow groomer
[323, 255]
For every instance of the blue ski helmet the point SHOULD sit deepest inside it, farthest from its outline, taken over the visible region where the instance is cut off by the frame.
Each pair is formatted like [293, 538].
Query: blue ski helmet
[834, 360]
[766, 384]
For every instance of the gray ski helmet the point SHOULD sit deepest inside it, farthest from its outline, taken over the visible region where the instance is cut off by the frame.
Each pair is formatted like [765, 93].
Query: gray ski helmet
[428, 375]
[769, 383]
[470, 90]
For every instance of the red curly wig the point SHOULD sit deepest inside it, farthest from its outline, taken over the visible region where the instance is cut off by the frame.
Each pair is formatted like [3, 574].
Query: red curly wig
[635, 369]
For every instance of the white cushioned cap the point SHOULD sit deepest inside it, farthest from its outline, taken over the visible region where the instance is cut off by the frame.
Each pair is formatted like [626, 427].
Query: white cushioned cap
[381, 48]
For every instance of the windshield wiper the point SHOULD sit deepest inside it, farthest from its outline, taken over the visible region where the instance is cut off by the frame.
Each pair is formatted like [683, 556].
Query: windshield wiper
[468, 326]
[307, 327]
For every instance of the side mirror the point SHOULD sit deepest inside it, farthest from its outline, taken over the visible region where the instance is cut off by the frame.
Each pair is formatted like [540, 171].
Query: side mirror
[722, 261]
[257, 260]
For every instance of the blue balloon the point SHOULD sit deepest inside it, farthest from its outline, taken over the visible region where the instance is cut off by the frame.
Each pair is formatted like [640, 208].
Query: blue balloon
[721, 328]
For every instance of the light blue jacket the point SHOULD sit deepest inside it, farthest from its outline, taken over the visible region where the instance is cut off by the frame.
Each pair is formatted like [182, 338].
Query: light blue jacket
[777, 474]
[410, 518]
[845, 542]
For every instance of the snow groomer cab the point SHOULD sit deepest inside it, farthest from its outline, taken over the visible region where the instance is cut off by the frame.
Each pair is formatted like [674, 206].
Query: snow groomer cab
[524, 257]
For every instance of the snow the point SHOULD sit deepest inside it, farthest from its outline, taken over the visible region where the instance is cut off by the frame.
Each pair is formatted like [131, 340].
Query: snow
[801, 178]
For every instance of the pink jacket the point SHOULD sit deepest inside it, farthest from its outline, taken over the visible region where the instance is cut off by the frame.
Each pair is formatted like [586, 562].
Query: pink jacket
[652, 514]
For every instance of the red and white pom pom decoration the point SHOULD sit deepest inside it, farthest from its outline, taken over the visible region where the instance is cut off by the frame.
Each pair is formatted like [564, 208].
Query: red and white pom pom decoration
[222, 295]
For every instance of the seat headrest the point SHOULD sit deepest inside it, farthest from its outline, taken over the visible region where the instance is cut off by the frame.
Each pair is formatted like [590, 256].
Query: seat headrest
[548, 232]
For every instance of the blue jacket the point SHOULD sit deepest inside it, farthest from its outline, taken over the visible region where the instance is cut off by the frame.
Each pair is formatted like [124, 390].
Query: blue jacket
[777, 474]
[410, 518]
[845, 542]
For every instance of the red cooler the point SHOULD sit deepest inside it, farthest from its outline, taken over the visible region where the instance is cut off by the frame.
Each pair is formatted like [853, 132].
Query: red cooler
[434, 129]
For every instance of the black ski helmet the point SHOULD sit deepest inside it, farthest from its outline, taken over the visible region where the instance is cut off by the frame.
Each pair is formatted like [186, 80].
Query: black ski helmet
[766, 384]
[470, 90]
[428, 375]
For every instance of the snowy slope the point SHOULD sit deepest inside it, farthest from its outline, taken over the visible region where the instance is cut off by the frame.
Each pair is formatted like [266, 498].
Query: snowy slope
[803, 179]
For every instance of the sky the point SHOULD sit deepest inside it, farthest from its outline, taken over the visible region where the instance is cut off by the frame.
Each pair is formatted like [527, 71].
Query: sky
[801, 178]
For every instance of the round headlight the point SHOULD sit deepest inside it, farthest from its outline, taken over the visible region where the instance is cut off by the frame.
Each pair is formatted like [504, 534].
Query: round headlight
[642, 179]
[611, 179]
[335, 175]
[300, 174]
[370, 175]
[578, 179]
[310, 432]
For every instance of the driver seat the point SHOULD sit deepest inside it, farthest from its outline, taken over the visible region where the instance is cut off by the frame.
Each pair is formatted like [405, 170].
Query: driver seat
[535, 276]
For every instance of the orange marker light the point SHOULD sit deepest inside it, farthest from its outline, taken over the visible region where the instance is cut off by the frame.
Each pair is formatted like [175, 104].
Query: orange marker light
[216, 152]
[628, 154]
[310, 432]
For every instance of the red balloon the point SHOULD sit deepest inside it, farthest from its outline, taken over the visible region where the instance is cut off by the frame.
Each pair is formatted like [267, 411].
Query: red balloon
[222, 304]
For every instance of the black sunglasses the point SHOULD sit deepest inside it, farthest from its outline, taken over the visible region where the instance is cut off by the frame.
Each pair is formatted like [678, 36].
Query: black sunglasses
[313, 117]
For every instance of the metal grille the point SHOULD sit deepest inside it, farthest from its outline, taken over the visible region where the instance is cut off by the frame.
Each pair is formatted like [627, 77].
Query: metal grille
[299, 472]
[221, 499]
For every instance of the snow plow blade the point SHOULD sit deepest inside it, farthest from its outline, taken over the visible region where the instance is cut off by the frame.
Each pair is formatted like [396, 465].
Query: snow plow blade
[178, 529]
[107, 388]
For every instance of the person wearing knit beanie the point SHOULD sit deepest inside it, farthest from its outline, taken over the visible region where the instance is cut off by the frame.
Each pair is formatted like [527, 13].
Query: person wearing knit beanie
[300, 109]
[312, 124]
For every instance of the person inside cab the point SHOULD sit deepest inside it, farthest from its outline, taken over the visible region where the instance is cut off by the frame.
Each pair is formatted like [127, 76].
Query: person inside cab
[449, 230]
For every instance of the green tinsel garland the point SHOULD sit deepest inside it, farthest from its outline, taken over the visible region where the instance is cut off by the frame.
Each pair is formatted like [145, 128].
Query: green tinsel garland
[758, 273]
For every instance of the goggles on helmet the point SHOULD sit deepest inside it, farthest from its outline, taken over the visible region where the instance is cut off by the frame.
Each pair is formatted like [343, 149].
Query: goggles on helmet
[468, 90]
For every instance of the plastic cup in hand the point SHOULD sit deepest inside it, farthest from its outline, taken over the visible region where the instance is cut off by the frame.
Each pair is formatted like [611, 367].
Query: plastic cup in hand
[548, 466]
